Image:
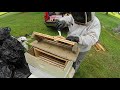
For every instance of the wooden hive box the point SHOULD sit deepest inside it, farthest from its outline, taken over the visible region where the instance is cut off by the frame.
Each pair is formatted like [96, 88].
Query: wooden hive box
[52, 55]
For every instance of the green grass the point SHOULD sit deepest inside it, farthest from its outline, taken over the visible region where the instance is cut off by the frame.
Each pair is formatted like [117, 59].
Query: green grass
[2, 13]
[26, 23]
[109, 21]
[96, 64]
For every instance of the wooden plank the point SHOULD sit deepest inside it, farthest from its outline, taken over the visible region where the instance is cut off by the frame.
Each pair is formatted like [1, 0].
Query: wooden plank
[59, 44]
[45, 36]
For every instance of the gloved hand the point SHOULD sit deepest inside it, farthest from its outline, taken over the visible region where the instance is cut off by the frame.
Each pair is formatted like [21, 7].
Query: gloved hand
[60, 25]
[73, 38]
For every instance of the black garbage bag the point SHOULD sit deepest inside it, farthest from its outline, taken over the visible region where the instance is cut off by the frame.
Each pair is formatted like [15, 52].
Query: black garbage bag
[5, 70]
[0, 51]
[4, 33]
[21, 73]
[13, 63]
[10, 71]
[12, 50]
[13, 43]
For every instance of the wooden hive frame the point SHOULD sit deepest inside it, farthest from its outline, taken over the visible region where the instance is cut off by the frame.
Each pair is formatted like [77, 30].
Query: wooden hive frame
[49, 58]
[57, 41]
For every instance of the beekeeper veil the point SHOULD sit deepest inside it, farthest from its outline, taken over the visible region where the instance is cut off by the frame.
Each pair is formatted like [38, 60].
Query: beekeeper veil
[82, 18]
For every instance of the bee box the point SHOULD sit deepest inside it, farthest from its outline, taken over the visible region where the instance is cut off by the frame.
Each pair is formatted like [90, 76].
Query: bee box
[51, 58]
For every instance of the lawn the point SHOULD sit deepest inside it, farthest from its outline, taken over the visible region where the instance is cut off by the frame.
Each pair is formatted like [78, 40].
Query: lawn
[26, 23]
[96, 64]
[2, 13]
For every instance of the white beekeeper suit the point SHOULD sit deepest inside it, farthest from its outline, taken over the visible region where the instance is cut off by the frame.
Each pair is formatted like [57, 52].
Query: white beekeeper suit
[88, 34]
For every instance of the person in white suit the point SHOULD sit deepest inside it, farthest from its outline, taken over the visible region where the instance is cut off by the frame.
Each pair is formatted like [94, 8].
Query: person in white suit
[84, 28]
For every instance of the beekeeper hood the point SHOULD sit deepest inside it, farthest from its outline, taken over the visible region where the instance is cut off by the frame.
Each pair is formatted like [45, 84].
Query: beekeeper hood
[83, 18]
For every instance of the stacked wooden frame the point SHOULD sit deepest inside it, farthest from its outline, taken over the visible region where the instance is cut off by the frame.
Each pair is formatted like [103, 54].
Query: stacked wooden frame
[52, 54]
